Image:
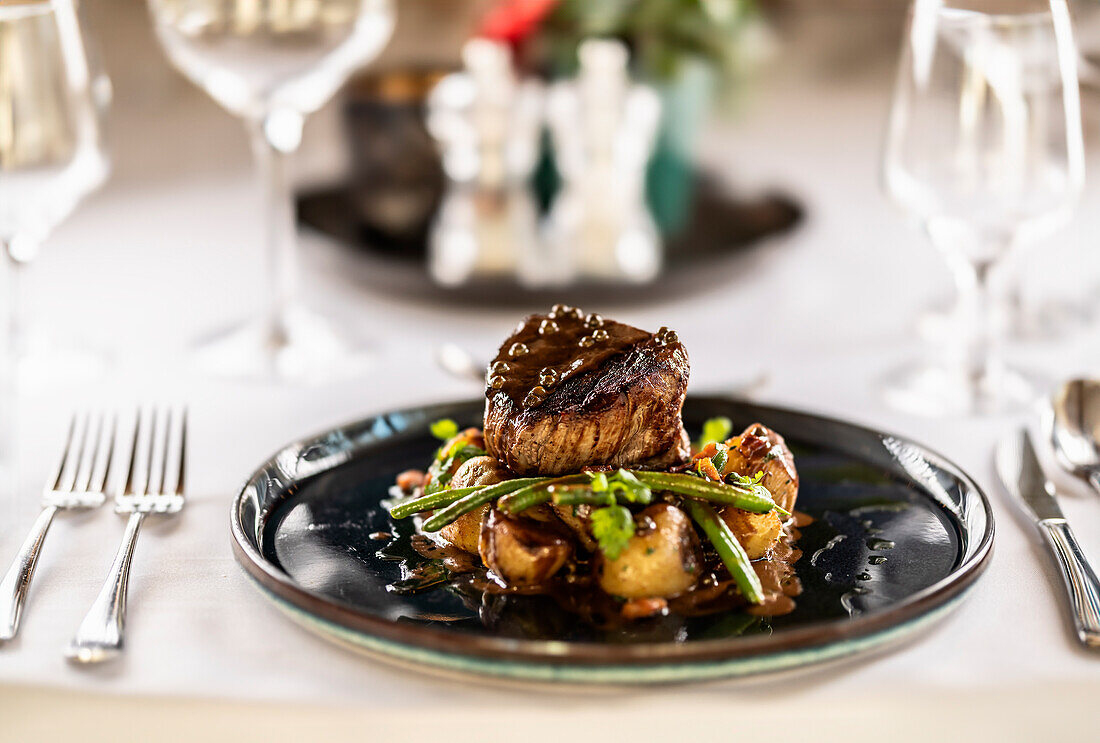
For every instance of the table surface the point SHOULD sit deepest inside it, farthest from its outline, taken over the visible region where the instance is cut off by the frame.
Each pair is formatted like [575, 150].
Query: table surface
[172, 244]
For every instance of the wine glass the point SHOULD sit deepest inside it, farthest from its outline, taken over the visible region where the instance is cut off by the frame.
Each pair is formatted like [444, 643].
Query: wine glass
[51, 157]
[271, 63]
[984, 148]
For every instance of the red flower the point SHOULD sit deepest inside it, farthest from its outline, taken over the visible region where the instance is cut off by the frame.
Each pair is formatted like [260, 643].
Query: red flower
[513, 21]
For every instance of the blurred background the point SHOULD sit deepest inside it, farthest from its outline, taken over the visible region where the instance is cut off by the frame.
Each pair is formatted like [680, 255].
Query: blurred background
[760, 168]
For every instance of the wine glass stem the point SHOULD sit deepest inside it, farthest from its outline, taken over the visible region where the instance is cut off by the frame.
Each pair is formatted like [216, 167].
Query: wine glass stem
[16, 322]
[280, 242]
[12, 349]
[986, 334]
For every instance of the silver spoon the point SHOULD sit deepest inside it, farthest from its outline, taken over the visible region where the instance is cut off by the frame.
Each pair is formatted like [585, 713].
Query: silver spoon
[1075, 428]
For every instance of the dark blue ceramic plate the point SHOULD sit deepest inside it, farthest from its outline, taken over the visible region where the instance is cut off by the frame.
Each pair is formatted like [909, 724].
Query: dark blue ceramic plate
[898, 534]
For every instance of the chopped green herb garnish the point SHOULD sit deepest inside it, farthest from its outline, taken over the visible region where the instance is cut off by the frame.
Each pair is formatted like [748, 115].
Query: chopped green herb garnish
[446, 463]
[720, 458]
[735, 479]
[714, 431]
[444, 429]
[612, 527]
[625, 486]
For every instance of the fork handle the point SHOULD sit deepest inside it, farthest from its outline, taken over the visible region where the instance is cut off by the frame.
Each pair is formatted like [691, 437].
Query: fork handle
[1082, 586]
[99, 637]
[13, 588]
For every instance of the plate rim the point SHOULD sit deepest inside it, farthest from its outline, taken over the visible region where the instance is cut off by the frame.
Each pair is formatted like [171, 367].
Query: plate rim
[552, 652]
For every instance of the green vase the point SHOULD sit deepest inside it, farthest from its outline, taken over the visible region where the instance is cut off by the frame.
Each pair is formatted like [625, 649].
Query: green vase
[670, 177]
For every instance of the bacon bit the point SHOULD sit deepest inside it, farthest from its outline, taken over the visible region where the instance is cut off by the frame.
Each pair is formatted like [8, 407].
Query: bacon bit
[708, 470]
[641, 608]
[753, 446]
[409, 480]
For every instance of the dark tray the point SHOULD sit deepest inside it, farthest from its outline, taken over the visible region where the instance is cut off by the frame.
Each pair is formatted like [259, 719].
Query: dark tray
[723, 227]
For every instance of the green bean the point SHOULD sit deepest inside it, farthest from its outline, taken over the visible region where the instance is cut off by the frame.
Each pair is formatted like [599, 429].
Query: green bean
[755, 498]
[729, 549]
[475, 500]
[536, 493]
[429, 502]
[582, 496]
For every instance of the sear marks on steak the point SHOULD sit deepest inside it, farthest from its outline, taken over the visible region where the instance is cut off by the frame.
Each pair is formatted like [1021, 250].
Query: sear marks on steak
[567, 391]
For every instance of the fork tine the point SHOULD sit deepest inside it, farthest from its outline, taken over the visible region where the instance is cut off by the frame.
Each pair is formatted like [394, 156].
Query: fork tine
[175, 439]
[65, 453]
[149, 441]
[74, 452]
[183, 452]
[102, 470]
[144, 451]
[169, 450]
[157, 448]
[92, 443]
[131, 473]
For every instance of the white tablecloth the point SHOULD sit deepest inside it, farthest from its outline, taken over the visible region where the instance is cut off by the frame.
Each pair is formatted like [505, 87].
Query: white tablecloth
[169, 250]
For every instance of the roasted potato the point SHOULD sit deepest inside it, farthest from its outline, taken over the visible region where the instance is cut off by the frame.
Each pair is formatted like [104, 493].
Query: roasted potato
[756, 532]
[479, 471]
[760, 449]
[520, 551]
[465, 531]
[576, 519]
[661, 560]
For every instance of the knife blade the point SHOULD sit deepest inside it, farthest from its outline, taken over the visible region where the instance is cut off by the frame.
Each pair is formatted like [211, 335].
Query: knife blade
[1022, 475]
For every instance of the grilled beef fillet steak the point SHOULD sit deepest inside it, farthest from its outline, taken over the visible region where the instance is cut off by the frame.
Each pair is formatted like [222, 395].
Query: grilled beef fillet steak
[567, 391]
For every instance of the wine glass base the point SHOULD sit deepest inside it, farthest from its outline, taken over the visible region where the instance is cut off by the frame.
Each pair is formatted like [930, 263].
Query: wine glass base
[941, 391]
[306, 348]
[939, 322]
[1052, 320]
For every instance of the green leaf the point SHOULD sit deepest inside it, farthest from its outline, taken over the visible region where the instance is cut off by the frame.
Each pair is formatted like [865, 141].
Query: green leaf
[720, 458]
[439, 481]
[444, 429]
[715, 430]
[747, 482]
[625, 485]
[612, 526]
[661, 34]
[444, 466]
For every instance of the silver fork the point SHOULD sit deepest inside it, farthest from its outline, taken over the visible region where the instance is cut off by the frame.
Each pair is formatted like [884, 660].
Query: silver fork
[80, 482]
[154, 484]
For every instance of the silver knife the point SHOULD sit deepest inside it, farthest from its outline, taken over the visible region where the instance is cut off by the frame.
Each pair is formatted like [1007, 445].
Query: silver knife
[1022, 475]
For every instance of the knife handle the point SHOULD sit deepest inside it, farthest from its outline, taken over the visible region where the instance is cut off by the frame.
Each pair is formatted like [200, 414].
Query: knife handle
[1082, 585]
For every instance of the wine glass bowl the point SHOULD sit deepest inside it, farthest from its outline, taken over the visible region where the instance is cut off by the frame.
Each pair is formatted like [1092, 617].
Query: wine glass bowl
[51, 153]
[254, 58]
[984, 148]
